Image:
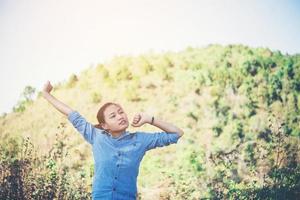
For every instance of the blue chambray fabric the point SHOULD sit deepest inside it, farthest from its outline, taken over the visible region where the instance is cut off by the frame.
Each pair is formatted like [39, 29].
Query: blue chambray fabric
[117, 160]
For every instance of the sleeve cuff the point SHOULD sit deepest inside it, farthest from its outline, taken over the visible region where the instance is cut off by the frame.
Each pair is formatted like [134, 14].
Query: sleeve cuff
[72, 115]
[177, 136]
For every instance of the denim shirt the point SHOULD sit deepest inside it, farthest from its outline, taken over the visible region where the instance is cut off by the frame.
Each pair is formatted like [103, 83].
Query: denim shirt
[117, 159]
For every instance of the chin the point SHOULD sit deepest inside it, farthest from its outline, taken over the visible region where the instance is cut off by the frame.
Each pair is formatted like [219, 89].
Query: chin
[125, 127]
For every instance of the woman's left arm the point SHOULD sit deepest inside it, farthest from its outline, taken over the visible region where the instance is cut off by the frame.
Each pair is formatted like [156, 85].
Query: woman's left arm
[142, 118]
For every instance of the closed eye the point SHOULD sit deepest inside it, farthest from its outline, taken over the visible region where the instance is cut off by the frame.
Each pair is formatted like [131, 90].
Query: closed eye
[114, 115]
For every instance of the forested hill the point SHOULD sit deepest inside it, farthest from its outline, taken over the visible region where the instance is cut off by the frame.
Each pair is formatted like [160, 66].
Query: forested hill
[239, 108]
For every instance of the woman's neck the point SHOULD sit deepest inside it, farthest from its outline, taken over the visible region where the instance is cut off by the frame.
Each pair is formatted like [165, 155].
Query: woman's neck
[117, 134]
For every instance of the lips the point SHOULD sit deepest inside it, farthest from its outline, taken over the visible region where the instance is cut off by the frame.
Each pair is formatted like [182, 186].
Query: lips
[122, 122]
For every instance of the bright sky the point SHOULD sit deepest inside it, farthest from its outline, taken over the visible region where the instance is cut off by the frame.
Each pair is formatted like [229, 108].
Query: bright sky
[51, 39]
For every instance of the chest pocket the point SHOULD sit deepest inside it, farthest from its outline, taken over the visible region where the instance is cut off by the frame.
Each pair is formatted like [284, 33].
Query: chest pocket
[133, 151]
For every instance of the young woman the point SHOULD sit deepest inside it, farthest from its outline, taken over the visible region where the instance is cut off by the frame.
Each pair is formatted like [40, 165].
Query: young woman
[117, 153]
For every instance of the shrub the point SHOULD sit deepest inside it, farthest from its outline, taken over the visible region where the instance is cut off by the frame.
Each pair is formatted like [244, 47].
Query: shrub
[72, 81]
[26, 98]
[96, 97]
[279, 181]
[25, 175]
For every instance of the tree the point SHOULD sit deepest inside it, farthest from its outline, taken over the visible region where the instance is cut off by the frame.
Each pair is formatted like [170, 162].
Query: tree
[28, 93]
[26, 97]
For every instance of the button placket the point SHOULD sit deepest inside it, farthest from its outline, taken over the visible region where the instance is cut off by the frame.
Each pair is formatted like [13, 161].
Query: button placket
[118, 165]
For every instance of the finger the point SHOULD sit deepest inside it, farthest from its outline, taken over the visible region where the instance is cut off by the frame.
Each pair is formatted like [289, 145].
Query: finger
[134, 125]
[137, 120]
[136, 116]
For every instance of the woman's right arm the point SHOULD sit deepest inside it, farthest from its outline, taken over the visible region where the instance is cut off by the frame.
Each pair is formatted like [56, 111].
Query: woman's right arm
[60, 106]
[86, 129]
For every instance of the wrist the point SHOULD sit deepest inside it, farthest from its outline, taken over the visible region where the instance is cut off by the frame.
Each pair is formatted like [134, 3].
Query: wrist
[45, 94]
[151, 120]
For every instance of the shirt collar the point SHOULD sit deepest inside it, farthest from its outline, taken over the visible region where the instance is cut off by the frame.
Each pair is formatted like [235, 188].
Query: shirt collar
[124, 133]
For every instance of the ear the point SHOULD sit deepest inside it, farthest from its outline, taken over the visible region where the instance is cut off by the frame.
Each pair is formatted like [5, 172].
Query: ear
[104, 126]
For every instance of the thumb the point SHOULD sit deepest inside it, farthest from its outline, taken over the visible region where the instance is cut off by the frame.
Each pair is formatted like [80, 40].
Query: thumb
[136, 122]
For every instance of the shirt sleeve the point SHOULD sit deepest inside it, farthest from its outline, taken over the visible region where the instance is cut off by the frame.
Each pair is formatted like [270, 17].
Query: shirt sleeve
[86, 129]
[159, 139]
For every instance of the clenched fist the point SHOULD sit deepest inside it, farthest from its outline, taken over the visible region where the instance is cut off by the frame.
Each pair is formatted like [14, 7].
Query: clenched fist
[47, 87]
[140, 119]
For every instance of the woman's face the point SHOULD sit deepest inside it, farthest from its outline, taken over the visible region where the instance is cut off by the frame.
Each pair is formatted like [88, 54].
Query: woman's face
[115, 119]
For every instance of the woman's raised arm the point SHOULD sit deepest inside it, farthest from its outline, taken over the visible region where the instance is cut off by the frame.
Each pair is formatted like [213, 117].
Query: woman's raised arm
[60, 106]
[86, 129]
[142, 118]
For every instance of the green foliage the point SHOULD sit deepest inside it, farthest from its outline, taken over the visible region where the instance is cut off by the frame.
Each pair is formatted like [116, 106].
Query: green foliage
[72, 81]
[26, 98]
[250, 107]
[131, 91]
[20, 107]
[123, 74]
[193, 116]
[162, 66]
[28, 93]
[217, 130]
[96, 97]
[142, 66]
[25, 175]
[103, 71]
[220, 95]
[280, 181]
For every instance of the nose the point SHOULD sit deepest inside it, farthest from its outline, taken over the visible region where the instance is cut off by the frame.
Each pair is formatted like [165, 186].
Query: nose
[121, 118]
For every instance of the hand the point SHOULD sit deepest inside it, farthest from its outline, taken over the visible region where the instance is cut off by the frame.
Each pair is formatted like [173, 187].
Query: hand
[47, 87]
[140, 119]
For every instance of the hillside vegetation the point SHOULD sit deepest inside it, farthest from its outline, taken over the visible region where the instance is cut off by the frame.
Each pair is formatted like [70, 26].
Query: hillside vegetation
[238, 106]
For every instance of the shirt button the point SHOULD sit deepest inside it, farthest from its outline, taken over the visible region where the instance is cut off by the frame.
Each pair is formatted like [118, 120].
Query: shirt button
[119, 154]
[118, 165]
[134, 144]
[115, 177]
[114, 189]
